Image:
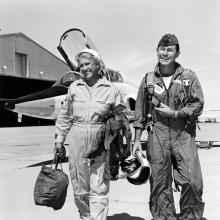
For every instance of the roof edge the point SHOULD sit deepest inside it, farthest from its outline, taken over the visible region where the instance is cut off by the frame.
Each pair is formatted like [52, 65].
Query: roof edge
[25, 36]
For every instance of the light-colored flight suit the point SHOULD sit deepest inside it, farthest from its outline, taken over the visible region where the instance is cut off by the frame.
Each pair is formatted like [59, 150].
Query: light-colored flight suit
[172, 146]
[83, 112]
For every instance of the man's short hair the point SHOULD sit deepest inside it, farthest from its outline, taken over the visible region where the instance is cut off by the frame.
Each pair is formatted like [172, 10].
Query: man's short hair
[169, 40]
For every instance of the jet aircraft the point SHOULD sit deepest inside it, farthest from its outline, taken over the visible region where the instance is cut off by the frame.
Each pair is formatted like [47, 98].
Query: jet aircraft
[46, 104]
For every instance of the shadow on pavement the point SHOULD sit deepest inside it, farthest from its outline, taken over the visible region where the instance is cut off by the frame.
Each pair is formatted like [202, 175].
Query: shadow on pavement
[123, 216]
[47, 162]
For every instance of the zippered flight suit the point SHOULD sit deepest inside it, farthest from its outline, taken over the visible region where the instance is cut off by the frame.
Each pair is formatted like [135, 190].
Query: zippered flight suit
[84, 112]
[172, 144]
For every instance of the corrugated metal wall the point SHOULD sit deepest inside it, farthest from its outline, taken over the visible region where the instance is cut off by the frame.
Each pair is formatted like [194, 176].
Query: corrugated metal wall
[7, 55]
[21, 56]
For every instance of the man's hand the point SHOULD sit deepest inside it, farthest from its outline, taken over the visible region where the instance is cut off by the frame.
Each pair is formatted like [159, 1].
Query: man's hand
[59, 152]
[165, 111]
[137, 147]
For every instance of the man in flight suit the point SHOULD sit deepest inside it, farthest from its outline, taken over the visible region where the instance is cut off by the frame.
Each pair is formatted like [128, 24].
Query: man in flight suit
[177, 102]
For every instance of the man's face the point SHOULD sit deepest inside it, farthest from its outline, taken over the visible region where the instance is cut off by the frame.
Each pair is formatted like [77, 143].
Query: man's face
[88, 67]
[167, 54]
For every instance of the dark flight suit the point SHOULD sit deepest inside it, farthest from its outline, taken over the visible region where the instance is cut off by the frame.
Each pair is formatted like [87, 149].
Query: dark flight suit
[172, 144]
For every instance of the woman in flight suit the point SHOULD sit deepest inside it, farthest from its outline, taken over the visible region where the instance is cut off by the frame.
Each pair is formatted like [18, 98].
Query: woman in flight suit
[88, 101]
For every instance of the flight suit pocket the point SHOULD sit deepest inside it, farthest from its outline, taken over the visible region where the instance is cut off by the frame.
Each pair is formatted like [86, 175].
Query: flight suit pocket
[101, 107]
[154, 150]
[79, 106]
[74, 175]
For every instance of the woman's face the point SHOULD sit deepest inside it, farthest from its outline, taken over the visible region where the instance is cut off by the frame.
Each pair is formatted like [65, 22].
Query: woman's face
[88, 67]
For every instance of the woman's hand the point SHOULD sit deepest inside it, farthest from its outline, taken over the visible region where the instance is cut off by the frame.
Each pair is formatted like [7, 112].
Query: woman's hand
[59, 152]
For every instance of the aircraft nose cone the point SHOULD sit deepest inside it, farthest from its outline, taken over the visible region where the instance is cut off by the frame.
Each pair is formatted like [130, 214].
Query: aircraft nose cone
[9, 105]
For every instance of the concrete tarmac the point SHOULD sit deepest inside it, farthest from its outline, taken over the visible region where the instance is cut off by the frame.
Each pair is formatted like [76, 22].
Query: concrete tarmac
[24, 146]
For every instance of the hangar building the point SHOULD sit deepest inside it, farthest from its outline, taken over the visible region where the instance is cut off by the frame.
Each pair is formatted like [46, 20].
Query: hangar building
[25, 67]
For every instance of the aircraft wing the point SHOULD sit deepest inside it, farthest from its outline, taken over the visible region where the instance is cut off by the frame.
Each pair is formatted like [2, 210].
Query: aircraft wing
[46, 103]
[46, 93]
[59, 88]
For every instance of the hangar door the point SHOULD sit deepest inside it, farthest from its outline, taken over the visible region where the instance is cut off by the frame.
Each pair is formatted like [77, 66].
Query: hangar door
[21, 64]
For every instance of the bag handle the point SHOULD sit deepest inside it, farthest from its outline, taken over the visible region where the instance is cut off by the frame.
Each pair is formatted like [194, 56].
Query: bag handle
[56, 161]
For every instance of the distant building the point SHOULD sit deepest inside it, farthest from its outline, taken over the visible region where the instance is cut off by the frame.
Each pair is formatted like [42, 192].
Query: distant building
[21, 56]
[25, 67]
[208, 119]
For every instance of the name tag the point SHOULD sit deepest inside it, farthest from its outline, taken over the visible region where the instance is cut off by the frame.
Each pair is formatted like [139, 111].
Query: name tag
[159, 89]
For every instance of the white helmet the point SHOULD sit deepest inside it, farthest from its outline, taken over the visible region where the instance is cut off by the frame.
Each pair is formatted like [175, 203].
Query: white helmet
[137, 169]
[92, 52]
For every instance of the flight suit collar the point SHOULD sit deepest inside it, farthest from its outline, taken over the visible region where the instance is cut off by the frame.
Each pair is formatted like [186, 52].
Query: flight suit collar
[101, 82]
[179, 70]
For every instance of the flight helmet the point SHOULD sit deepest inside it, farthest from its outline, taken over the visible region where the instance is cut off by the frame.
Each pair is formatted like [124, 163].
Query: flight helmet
[136, 169]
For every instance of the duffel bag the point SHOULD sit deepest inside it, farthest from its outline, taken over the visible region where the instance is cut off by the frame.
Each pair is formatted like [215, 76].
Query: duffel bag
[51, 187]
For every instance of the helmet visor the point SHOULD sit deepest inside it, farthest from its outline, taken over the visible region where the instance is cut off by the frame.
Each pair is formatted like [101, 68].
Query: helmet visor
[141, 177]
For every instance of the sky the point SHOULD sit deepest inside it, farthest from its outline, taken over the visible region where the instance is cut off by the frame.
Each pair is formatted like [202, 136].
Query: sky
[126, 32]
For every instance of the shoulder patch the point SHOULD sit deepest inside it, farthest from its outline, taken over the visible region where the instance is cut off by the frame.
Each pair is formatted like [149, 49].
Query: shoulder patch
[186, 82]
[159, 88]
[186, 76]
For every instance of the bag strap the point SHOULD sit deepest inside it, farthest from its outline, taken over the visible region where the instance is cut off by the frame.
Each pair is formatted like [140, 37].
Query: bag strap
[186, 78]
[149, 92]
